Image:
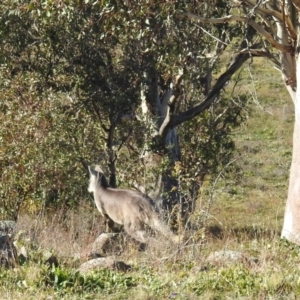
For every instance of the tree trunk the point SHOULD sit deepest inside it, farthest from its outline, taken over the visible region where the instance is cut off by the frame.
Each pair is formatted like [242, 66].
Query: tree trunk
[291, 226]
[159, 184]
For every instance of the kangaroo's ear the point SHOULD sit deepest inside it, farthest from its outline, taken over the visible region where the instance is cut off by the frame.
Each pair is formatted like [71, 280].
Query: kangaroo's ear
[92, 171]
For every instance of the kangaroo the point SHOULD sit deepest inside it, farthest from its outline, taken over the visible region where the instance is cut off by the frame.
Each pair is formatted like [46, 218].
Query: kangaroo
[126, 207]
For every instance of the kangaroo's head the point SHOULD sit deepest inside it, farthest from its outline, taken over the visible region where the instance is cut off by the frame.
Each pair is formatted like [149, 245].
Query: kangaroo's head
[97, 179]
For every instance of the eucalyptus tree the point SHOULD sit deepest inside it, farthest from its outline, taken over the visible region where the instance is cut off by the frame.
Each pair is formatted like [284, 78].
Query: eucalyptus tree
[275, 37]
[118, 77]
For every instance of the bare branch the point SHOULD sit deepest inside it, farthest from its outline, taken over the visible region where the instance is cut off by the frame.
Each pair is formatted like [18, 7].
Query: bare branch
[258, 28]
[99, 116]
[174, 99]
[172, 121]
[282, 17]
[263, 53]
[296, 3]
[211, 35]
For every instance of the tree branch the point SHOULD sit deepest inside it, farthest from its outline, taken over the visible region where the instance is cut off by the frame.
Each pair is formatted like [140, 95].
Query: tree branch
[269, 11]
[263, 53]
[175, 98]
[250, 21]
[296, 3]
[238, 62]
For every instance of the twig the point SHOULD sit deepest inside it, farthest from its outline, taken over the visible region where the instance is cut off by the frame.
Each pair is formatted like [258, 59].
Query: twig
[231, 18]
[266, 10]
[211, 195]
[179, 249]
[217, 39]
[254, 94]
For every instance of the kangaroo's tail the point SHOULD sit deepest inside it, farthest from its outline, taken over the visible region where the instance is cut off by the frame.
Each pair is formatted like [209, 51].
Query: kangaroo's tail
[161, 227]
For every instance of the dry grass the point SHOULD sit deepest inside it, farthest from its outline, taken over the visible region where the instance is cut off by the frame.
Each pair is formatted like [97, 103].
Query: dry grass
[265, 145]
[163, 270]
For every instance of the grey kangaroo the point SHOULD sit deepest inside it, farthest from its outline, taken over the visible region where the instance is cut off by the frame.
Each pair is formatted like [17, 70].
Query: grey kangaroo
[126, 207]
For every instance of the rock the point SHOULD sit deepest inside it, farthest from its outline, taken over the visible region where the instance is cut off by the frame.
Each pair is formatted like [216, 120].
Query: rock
[173, 295]
[107, 243]
[226, 257]
[52, 260]
[94, 255]
[103, 262]
[8, 252]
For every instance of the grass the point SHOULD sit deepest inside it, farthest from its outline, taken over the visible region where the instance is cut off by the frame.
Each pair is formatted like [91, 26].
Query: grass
[265, 146]
[246, 218]
[183, 276]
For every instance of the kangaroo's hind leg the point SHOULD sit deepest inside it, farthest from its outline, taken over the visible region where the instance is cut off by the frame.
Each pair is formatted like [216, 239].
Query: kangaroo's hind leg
[111, 226]
[136, 232]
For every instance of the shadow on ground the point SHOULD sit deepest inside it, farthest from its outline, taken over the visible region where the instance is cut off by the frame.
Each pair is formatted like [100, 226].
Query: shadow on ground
[249, 232]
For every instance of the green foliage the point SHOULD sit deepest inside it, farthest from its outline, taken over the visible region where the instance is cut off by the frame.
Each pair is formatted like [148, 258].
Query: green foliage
[71, 78]
[70, 281]
[237, 280]
[42, 159]
[153, 283]
[212, 147]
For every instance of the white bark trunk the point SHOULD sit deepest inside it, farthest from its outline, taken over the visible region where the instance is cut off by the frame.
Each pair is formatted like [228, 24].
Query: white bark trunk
[157, 185]
[291, 226]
